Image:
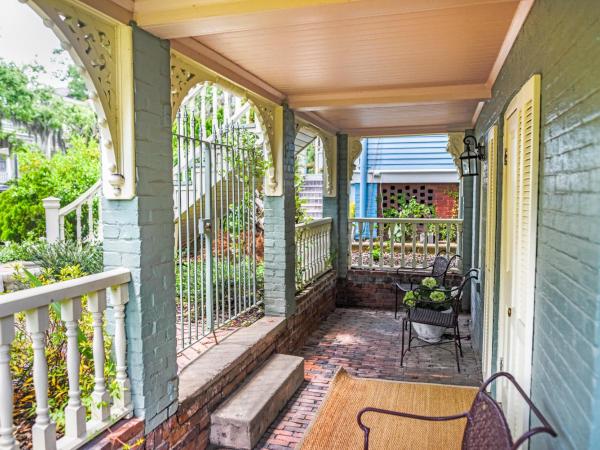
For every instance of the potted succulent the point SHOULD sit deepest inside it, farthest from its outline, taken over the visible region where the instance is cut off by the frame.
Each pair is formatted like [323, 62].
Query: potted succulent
[428, 295]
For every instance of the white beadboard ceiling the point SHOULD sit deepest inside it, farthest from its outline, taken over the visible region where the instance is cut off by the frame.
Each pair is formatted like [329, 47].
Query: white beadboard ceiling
[360, 66]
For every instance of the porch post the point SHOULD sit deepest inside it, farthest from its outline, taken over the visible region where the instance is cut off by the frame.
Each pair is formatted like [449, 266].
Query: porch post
[466, 250]
[280, 229]
[337, 208]
[138, 235]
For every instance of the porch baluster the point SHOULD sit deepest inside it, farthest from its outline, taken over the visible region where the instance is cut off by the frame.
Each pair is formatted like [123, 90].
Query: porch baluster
[381, 230]
[119, 298]
[70, 311]
[414, 245]
[370, 224]
[360, 244]
[402, 243]
[425, 244]
[7, 334]
[90, 206]
[100, 397]
[78, 223]
[392, 231]
[436, 238]
[43, 432]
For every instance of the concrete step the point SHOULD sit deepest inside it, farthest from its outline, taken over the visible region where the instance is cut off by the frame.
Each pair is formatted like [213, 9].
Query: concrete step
[243, 418]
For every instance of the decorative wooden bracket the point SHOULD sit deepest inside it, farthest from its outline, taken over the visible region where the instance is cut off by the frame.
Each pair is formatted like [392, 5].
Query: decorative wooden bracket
[354, 150]
[187, 73]
[102, 49]
[329, 141]
[455, 147]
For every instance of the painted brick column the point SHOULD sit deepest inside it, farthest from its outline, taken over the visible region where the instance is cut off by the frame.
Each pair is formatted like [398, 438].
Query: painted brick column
[280, 229]
[467, 242]
[337, 208]
[138, 234]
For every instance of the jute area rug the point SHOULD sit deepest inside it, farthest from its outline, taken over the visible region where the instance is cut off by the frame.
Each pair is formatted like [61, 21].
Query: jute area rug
[335, 425]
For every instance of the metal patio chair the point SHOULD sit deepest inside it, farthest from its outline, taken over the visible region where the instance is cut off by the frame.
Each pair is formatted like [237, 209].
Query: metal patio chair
[437, 318]
[486, 426]
[439, 270]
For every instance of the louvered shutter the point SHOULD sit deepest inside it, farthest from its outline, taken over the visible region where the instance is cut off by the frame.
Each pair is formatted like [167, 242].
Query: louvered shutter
[526, 190]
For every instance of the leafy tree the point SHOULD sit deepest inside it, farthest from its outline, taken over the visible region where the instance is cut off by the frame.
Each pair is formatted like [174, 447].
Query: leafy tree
[39, 110]
[65, 175]
[77, 87]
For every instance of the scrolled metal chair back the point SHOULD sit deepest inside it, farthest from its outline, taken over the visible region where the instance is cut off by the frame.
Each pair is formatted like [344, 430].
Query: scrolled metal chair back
[487, 426]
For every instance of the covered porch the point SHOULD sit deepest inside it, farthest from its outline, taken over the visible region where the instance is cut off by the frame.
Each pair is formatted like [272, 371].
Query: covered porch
[208, 278]
[366, 342]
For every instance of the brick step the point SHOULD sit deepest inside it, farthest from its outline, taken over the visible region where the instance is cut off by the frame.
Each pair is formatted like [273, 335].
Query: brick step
[242, 419]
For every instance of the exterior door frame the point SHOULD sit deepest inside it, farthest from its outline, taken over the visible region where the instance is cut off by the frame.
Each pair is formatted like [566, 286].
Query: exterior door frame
[518, 247]
[490, 250]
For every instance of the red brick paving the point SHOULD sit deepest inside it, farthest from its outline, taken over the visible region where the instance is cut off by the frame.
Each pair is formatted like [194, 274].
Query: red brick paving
[367, 344]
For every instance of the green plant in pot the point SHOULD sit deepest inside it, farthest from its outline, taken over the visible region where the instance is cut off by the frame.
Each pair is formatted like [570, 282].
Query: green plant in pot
[428, 295]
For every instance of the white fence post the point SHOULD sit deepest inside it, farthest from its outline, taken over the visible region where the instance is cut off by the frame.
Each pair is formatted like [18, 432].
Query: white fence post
[52, 207]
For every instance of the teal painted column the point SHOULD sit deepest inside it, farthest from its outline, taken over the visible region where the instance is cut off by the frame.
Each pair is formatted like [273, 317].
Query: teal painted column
[138, 235]
[343, 189]
[466, 250]
[280, 229]
[337, 208]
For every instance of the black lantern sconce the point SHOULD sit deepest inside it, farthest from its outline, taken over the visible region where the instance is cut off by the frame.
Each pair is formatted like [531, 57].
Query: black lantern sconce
[469, 159]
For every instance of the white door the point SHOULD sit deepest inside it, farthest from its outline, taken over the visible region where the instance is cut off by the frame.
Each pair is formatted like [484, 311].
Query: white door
[518, 249]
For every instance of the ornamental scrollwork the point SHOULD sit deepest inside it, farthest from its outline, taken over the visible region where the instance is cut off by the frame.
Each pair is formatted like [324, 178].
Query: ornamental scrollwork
[187, 73]
[101, 48]
[329, 142]
[354, 151]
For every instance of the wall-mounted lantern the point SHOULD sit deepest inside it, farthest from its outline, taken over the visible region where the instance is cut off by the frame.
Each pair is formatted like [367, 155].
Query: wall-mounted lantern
[469, 159]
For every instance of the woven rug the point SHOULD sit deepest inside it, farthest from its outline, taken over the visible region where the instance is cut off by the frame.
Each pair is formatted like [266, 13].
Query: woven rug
[335, 425]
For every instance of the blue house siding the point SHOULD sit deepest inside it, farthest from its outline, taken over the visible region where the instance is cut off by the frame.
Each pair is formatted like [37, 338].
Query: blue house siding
[371, 198]
[409, 153]
[560, 42]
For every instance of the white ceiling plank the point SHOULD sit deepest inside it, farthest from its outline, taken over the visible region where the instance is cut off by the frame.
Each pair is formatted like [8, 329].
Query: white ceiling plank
[182, 18]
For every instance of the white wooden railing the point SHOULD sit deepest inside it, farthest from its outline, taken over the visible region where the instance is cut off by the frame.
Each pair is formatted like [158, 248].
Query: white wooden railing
[55, 215]
[382, 243]
[313, 250]
[35, 303]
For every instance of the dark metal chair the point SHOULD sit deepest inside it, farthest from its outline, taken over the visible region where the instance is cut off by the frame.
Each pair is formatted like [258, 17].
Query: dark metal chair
[486, 427]
[439, 270]
[437, 318]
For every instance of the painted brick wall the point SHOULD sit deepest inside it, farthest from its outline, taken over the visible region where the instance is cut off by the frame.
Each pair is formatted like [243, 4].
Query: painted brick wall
[561, 40]
[138, 234]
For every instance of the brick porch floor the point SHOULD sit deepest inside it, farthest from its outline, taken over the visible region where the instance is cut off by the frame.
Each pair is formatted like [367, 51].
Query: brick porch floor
[367, 344]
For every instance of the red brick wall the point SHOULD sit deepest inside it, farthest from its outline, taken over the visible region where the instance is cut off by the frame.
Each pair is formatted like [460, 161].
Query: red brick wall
[189, 427]
[441, 195]
[374, 288]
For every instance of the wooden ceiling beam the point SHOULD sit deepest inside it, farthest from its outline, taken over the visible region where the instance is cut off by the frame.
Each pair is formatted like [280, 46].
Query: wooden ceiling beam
[371, 98]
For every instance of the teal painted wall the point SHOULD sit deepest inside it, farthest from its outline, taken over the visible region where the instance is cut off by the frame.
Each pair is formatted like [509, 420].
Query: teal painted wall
[561, 41]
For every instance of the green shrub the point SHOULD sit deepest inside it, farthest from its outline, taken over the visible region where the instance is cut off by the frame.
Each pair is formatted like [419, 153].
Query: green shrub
[12, 251]
[54, 257]
[65, 175]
